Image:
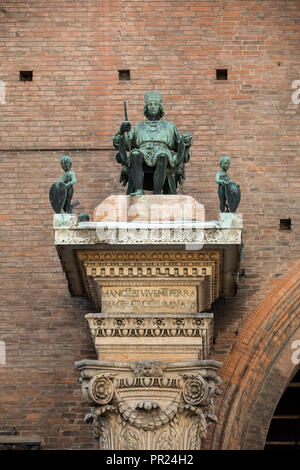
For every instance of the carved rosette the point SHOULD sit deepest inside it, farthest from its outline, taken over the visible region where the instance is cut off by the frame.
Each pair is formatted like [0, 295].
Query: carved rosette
[100, 389]
[150, 404]
[195, 390]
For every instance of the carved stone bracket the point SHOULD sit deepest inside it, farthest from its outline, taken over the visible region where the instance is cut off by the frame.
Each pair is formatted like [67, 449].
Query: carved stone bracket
[205, 249]
[141, 271]
[150, 404]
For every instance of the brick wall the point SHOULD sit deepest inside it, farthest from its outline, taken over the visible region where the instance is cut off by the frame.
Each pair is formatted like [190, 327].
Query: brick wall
[75, 103]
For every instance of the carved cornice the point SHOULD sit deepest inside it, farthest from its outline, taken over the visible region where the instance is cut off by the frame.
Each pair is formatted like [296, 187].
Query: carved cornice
[148, 236]
[161, 268]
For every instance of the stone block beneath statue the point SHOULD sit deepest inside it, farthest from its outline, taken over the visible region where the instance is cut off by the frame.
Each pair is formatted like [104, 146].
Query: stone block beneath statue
[230, 220]
[149, 208]
[64, 221]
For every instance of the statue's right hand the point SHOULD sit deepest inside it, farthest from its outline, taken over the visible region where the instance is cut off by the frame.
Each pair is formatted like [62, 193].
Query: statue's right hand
[125, 127]
[117, 140]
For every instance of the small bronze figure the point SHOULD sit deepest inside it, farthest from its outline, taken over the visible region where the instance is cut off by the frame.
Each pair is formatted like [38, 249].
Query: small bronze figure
[152, 154]
[83, 217]
[229, 192]
[61, 192]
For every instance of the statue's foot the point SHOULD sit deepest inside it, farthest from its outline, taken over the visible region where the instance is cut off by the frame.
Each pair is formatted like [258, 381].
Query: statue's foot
[138, 192]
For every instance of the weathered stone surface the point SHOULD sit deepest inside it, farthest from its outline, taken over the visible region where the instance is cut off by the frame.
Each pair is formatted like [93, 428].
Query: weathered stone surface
[152, 220]
[191, 235]
[149, 302]
[61, 221]
[191, 278]
[230, 220]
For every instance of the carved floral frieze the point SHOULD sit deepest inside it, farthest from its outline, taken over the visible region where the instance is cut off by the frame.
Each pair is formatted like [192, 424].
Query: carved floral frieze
[148, 236]
[183, 336]
[168, 326]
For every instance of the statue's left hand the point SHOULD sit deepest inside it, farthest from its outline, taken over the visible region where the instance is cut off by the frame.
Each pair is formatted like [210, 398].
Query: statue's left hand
[123, 176]
[187, 139]
[180, 179]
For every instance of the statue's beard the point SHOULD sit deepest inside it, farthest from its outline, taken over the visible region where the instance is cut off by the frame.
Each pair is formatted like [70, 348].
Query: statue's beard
[155, 117]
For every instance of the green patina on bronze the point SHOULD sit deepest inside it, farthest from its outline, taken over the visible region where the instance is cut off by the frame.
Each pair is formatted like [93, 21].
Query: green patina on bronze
[228, 191]
[61, 192]
[153, 153]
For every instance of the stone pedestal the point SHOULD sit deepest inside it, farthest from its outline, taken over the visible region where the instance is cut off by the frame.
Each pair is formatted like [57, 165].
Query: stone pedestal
[231, 220]
[64, 221]
[152, 282]
[152, 208]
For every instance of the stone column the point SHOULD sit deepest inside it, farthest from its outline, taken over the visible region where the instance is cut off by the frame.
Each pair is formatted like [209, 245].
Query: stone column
[153, 268]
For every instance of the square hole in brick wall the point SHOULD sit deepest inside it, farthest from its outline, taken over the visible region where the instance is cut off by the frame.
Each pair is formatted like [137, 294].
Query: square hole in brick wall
[221, 74]
[285, 224]
[26, 75]
[124, 74]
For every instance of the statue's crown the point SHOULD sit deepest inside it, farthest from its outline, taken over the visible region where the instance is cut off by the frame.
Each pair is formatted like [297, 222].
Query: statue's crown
[153, 96]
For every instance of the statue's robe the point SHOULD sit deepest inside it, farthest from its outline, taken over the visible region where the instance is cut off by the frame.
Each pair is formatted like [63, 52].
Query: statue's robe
[154, 138]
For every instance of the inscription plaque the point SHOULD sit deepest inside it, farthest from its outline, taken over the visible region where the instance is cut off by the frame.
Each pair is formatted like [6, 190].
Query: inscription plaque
[149, 299]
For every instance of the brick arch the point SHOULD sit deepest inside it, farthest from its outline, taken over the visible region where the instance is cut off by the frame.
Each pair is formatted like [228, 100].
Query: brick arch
[259, 367]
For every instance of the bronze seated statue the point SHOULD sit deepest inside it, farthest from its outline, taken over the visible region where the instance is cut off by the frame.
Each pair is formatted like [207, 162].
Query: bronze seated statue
[152, 154]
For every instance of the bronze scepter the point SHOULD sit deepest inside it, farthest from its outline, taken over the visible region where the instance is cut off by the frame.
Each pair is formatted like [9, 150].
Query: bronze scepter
[126, 119]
